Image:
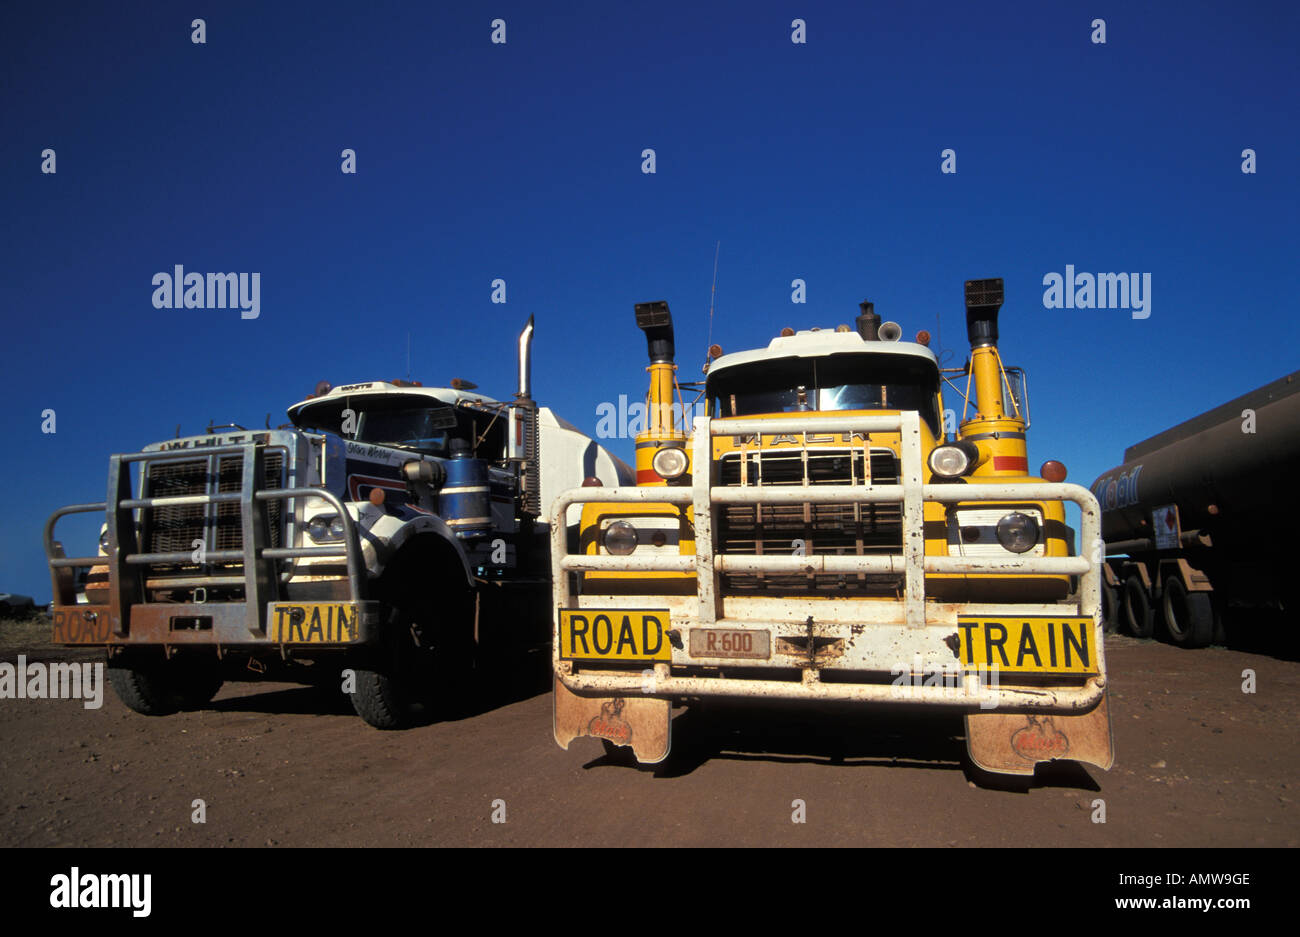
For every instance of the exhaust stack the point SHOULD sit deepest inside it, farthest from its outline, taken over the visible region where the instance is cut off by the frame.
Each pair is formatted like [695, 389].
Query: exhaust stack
[524, 433]
[1000, 430]
[868, 322]
[525, 391]
[983, 300]
[657, 322]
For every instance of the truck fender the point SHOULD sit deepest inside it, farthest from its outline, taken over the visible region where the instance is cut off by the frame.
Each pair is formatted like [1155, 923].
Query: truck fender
[386, 535]
[1140, 568]
[1178, 568]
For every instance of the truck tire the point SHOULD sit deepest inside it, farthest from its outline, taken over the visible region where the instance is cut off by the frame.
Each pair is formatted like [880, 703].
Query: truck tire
[392, 680]
[154, 686]
[401, 682]
[1188, 616]
[1109, 608]
[378, 701]
[1135, 608]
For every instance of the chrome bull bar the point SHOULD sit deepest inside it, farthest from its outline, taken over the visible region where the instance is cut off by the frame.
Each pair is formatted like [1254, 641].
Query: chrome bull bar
[261, 584]
[702, 496]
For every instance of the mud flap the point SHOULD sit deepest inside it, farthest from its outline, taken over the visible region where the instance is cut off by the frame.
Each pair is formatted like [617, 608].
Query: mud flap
[641, 723]
[1006, 743]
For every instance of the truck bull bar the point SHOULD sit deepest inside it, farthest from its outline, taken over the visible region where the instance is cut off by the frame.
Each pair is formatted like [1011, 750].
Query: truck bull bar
[260, 580]
[912, 563]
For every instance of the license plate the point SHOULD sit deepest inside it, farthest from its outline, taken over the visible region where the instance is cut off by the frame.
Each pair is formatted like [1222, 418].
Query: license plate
[731, 643]
[314, 623]
[1028, 644]
[615, 634]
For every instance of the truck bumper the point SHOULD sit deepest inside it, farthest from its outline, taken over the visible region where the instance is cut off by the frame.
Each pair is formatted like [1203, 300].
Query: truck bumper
[845, 662]
[259, 618]
[220, 624]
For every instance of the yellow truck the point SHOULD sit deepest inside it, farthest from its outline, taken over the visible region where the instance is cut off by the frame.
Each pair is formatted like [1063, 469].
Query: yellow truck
[819, 535]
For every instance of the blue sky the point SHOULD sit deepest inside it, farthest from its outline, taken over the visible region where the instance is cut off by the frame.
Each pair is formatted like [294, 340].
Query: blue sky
[523, 161]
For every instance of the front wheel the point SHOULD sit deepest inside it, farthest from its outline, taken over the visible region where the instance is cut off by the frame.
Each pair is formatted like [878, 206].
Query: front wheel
[392, 680]
[421, 664]
[152, 685]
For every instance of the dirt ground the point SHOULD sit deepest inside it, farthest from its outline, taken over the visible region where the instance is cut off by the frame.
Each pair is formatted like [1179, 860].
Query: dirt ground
[1199, 763]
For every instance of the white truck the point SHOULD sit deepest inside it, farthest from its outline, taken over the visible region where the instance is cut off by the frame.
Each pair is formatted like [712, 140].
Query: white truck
[388, 537]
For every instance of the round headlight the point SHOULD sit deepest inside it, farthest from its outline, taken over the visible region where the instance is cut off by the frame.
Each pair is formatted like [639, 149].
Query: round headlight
[619, 538]
[103, 542]
[318, 528]
[949, 461]
[1018, 532]
[336, 526]
[669, 462]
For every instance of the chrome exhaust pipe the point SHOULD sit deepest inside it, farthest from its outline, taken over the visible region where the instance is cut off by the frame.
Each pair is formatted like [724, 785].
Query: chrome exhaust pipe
[525, 391]
[529, 438]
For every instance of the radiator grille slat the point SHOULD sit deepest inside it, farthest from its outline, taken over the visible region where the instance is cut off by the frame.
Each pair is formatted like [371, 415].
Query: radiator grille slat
[824, 529]
[174, 529]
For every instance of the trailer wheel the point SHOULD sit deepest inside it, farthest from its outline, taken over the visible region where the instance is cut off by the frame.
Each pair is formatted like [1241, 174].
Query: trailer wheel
[154, 686]
[1135, 611]
[1188, 616]
[1109, 608]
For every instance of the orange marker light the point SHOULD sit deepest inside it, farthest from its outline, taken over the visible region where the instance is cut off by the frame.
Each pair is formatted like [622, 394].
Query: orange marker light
[787, 332]
[377, 497]
[923, 338]
[715, 351]
[1052, 471]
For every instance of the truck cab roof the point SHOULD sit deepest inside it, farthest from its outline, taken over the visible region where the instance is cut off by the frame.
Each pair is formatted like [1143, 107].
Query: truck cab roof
[443, 395]
[816, 343]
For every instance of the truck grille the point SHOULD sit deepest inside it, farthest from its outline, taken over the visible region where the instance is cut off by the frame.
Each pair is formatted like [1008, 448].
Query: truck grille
[174, 529]
[826, 529]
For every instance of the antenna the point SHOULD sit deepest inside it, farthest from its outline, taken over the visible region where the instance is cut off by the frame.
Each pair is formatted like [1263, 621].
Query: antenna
[713, 291]
[408, 356]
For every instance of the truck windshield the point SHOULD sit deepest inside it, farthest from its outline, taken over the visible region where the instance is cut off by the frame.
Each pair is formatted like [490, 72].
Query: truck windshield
[835, 382]
[414, 427]
[428, 429]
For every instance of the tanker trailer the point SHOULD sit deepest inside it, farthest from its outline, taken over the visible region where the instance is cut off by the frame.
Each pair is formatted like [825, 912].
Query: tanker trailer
[1198, 519]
